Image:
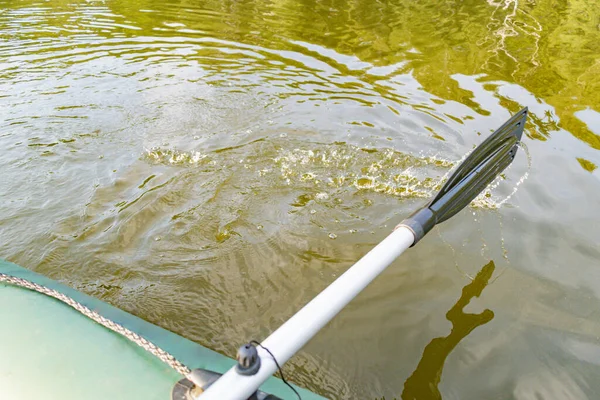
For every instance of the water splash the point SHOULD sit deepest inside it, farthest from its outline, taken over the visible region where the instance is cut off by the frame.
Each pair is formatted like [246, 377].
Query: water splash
[328, 168]
[486, 198]
[174, 157]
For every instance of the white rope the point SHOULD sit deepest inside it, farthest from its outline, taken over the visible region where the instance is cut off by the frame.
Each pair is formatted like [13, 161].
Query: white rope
[93, 315]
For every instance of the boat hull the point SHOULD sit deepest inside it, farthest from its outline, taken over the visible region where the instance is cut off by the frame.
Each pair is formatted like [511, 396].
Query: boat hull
[48, 350]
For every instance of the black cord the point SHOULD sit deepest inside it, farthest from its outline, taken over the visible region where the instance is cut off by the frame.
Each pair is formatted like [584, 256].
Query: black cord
[256, 343]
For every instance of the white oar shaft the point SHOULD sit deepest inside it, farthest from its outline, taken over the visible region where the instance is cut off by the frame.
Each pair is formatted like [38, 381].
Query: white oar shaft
[299, 329]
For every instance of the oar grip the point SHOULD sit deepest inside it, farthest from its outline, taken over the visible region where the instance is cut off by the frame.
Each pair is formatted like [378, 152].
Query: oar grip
[420, 223]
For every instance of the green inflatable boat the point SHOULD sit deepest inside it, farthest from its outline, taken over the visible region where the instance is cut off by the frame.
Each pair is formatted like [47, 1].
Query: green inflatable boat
[50, 350]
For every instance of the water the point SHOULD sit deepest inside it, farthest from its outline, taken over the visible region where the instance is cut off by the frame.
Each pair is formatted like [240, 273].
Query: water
[211, 165]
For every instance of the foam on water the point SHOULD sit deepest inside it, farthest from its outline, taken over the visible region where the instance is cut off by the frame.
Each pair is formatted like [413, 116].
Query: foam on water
[333, 166]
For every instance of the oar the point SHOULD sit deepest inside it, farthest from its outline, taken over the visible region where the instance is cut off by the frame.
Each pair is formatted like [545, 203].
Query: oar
[478, 170]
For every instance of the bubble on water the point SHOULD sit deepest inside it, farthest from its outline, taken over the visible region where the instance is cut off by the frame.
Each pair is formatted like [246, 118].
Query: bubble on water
[332, 236]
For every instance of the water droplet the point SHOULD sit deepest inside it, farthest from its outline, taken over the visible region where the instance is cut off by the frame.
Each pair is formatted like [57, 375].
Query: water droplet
[223, 235]
[364, 183]
[307, 176]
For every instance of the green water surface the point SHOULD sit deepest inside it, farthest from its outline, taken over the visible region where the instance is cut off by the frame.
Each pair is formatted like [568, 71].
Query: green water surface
[210, 166]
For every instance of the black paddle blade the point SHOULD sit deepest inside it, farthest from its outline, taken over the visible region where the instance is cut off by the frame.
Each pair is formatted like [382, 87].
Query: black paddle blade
[471, 177]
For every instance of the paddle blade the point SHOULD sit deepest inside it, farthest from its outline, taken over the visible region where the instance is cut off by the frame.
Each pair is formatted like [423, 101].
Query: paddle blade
[471, 177]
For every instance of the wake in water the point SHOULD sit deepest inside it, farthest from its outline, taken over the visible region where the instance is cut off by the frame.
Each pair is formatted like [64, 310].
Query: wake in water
[332, 167]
